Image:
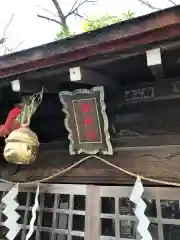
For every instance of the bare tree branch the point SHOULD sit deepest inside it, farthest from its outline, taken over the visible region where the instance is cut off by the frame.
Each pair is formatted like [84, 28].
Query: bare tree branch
[78, 15]
[49, 19]
[73, 6]
[172, 2]
[2, 40]
[62, 21]
[9, 50]
[15, 48]
[77, 5]
[74, 11]
[7, 25]
[46, 10]
[59, 10]
[147, 4]
[62, 17]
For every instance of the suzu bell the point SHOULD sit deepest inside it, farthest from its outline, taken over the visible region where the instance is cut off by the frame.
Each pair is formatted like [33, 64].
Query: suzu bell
[21, 146]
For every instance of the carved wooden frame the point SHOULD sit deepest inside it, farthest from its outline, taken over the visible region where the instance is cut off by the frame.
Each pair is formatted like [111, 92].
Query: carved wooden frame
[100, 90]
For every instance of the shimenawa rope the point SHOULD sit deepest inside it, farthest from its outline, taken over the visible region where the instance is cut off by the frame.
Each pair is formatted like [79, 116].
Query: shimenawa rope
[100, 159]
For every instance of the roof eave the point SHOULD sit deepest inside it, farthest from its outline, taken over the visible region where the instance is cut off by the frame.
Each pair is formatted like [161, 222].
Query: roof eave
[141, 32]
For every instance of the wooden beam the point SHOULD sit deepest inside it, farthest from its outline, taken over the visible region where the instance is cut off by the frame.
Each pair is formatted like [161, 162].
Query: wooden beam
[88, 76]
[159, 163]
[55, 83]
[144, 92]
[31, 86]
[161, 90]
[125, 143]
[146, 142]
[95, 60]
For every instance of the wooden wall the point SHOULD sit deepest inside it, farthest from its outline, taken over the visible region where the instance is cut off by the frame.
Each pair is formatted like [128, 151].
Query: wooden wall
[147, 142]
[145, 138]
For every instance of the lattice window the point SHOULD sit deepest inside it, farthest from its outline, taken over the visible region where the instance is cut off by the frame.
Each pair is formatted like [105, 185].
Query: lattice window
[77, 212]
[61, 215]
[118, 220]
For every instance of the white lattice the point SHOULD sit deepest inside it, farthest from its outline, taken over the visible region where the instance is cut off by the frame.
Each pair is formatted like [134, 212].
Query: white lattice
[140, 209]
[12, 215]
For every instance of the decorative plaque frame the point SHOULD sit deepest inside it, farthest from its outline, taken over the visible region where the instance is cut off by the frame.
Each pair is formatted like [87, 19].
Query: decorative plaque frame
[86, 121]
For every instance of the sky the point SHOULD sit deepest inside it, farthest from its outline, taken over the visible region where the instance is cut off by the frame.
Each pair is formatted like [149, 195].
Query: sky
[27, 28]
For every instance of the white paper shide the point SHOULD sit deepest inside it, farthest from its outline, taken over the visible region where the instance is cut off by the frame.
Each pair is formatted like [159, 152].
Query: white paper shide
[11, 214]
[33, 219]
[135, 197]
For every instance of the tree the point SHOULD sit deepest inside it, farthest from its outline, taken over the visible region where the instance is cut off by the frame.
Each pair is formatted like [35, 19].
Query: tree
[90, 24]
[62, 34]
[104, 20]
[61, 17]
[128, 15]
[99, 22]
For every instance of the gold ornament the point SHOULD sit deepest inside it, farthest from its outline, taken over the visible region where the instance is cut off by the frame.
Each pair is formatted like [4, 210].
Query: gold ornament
[21, 146]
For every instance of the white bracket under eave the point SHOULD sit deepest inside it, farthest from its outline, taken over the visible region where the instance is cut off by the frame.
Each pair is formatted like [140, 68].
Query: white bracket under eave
[75, 74]
[154, 62]
[15, 84]
[153, 57]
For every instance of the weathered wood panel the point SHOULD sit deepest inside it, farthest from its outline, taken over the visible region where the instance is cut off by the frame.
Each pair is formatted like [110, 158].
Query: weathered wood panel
[162, 117]
[160, 90]
[160, 162]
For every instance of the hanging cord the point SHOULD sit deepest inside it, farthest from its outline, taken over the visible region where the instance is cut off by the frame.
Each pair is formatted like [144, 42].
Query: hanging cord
[100, 159]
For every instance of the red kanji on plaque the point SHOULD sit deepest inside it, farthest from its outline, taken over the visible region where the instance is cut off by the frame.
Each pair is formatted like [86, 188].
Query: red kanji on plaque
[88, 120]
[86, 107]
[91, 135]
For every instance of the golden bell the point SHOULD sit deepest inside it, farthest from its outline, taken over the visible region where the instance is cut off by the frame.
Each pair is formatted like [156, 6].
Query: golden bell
[21, 146]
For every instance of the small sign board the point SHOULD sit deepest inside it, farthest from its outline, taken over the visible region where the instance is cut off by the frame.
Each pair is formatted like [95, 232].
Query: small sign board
[139, 94]
[86, 121]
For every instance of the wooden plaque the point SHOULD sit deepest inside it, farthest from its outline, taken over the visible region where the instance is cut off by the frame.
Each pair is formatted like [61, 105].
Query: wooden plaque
[86, 121]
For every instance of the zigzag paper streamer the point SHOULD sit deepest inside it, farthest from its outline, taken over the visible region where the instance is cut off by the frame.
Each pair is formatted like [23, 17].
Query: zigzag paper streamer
[135, 197]
[12, 215]
[34, 209]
